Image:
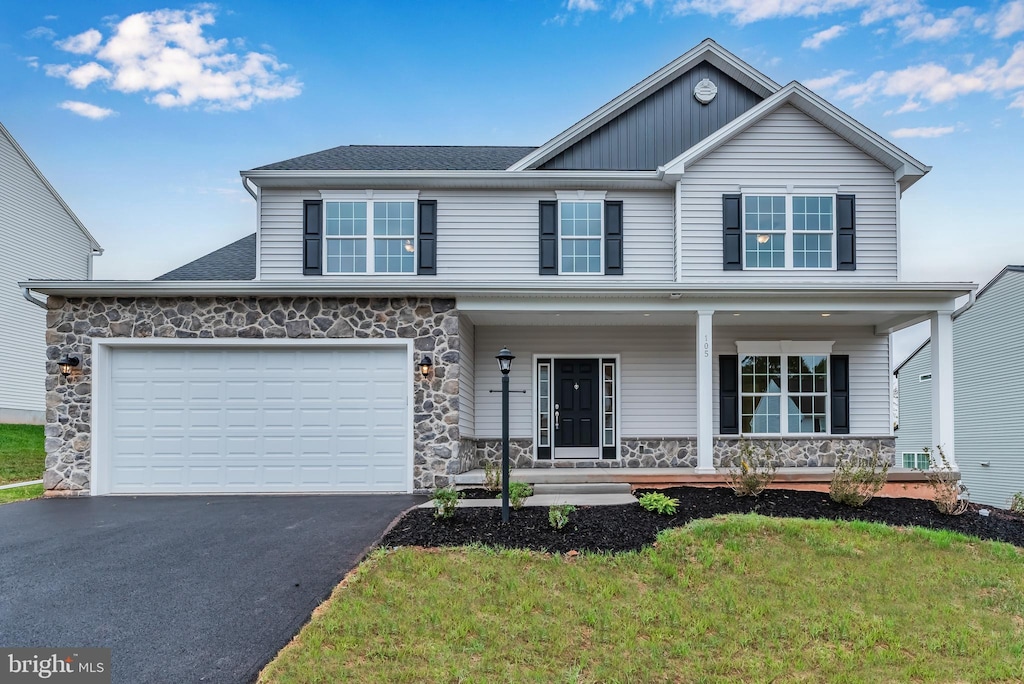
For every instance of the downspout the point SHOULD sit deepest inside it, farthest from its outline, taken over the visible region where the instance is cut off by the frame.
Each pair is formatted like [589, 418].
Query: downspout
[27, 294]
[245, 184]
[963, 309]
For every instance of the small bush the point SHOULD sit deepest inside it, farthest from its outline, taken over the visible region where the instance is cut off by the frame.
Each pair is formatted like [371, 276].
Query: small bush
[517, 494]
[949, 493]
[752, 469]
[656, 502]
[492, 476]
[856, 480]
[558, 516]
[1017, 502]
[446, 500]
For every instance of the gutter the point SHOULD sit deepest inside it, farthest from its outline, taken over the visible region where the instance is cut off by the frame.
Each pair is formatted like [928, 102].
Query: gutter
[245, 184]
[26, 292]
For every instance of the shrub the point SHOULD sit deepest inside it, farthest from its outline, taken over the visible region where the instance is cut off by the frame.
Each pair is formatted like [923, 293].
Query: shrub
[445, 500]
[517, 494]
[492, 476]
[752, 469]
[948, 492]
[558, 516]
[656, 502]
[1017, 502]
[856, 480]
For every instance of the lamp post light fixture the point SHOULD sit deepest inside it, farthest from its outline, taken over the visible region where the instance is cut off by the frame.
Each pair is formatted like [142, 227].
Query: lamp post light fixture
[67, 364]
[426, 363]
[504, 365]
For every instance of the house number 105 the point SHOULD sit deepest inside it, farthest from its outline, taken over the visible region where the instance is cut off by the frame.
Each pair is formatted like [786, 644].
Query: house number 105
[707, 347]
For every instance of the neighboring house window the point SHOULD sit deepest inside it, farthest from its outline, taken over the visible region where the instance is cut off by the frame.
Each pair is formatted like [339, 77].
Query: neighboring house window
[789, 231]
[581, 236]
[370, 236]
[784, 393]
[925, 377]
[919, 460]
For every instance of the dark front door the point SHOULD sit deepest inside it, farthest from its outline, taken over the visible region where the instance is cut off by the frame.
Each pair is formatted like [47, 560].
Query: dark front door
[576, 399]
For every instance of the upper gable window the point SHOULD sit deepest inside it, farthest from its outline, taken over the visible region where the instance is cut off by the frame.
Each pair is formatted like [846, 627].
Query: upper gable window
[789, 231]
[581, 234]
[370, 236]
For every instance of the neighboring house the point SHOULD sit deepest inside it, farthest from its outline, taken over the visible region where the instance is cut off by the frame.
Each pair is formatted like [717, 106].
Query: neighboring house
[42, 237]
[987, 333]
[709, 256]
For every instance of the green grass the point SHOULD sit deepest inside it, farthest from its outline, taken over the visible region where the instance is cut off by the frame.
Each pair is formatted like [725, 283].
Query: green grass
[21, 493]
[21, 453]
[736, 598]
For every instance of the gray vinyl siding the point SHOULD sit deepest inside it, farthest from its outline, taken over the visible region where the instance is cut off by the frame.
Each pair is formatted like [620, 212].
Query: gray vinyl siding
[40, 241]
[869, 368]
[467, 374]
[988, 346]
[485, 235]
[660, 127]
[657, 397]
[788, 148]
[915, 433]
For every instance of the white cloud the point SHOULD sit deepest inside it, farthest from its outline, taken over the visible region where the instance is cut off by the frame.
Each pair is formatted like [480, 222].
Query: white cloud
[1009, 19]
[626, 8]
[41, 32]
[582, 5]
[84, 43]
[89, 111]
[821, 37]
[32, 62]
[925, 26]
[165, 54]
[749, 11]
[51, 17]
[922, 132]
[829, 81]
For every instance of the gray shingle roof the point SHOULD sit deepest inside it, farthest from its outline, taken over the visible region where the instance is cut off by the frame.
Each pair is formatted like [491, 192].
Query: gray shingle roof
[404, 158]
[236, 261]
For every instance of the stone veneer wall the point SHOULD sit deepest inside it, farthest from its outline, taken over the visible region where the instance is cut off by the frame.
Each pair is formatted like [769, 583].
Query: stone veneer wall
[810, 452]
[432, 324]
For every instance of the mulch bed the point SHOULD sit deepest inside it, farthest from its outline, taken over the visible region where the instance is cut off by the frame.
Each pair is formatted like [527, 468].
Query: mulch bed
[630, 528]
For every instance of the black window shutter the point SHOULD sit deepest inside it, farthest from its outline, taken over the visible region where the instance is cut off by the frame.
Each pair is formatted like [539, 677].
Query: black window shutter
[732, 233]
[840, 396]
[846, 233]
[427, 248]
[729, 394]
[312, 237]
[613, 238]
[548, 237]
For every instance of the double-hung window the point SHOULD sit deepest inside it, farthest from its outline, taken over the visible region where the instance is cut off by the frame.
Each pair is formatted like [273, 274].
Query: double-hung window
[789, 231]
[784, 388]
[581, 232]
[374, 233]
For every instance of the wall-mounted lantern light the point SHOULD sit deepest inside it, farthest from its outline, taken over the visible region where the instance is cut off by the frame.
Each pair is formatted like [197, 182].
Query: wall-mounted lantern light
[426, 363]
[67, 364]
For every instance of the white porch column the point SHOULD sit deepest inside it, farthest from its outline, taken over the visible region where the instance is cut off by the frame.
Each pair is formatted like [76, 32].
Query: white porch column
[705, 429]
[942, 384]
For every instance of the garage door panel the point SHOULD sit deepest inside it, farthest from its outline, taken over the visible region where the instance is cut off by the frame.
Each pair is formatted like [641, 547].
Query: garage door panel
[258, 420]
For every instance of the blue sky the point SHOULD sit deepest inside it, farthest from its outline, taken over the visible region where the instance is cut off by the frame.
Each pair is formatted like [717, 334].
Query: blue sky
[141, 114]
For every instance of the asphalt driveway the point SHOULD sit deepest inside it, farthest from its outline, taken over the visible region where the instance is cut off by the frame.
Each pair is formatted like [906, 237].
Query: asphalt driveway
[183, 589]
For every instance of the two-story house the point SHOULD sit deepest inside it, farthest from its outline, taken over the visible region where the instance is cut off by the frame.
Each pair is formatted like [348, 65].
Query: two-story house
[709, 256]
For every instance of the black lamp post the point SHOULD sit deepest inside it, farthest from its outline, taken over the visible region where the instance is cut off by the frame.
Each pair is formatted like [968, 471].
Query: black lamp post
[504, 365]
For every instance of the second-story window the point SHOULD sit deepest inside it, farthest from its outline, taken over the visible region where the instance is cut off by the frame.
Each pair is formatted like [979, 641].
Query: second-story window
[581, 233]
[789, 231]
[370, 236]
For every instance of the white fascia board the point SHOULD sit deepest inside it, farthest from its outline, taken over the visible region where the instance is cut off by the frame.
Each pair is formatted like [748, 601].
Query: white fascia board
[707, 50]
[361, 180]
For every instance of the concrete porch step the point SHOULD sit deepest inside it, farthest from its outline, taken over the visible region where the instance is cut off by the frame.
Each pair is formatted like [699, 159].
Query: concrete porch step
[581, 488]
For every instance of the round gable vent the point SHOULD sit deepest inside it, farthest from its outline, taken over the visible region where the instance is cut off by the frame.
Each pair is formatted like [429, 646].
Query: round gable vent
[705, 91]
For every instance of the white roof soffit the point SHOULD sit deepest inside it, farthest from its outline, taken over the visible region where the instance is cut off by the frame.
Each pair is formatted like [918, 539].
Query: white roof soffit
[381, 180]
[708, 50]
[906, 169]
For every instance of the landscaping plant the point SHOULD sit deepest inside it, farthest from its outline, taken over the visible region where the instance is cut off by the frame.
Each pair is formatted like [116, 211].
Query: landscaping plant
[446, 499]
[518, 493]
[1017, 502]
[656, 502]
[752, 469]
[492, 476]
[949, 493]
[857, 479]
[558, 516]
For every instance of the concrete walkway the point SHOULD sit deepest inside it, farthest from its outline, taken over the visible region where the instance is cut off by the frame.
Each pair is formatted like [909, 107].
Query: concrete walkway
[15, 485]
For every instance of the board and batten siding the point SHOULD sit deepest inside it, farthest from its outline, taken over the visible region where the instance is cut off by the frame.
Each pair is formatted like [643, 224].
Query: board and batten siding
[41, 241]
[869, 368]
[467, 374]
[485, 235]
[915, 431]
[657, 374]
[787, 147]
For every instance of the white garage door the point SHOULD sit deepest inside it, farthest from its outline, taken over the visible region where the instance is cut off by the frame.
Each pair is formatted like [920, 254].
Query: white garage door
[257, 420]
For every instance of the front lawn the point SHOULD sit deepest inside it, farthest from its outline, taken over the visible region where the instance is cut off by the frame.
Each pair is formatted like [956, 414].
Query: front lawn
[21, 493]
[21, 453]
[734, 598]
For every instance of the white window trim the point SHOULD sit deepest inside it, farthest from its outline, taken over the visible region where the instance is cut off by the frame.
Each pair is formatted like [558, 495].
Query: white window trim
[787, 193]
[580, 196]
[915, 454]
[785, 349]
[369, 197]
[924, 378]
